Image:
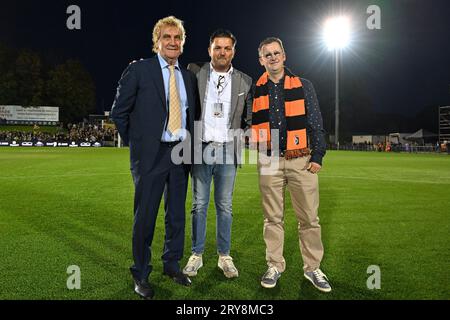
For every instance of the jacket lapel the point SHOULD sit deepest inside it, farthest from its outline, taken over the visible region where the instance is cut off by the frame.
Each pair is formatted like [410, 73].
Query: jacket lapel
[190, 97]
[235, 86]
[203, 77]
[156, 73]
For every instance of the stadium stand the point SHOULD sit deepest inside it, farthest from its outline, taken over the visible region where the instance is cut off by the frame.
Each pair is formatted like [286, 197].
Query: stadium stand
[77, 133]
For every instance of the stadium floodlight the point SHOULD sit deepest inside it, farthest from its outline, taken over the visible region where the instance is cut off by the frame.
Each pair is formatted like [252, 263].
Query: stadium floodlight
[336, 35]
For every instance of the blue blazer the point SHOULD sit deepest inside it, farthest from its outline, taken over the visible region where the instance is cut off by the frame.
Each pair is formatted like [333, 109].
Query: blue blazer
[140, 111]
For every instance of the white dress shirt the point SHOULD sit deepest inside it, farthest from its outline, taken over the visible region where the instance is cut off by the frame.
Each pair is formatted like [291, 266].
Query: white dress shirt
[217, 120]
[167, 136]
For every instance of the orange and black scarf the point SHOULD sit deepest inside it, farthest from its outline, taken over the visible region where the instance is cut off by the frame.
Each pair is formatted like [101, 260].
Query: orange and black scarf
[295, 113]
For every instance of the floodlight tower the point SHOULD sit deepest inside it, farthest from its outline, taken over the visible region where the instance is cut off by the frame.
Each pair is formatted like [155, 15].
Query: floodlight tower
[336, 34]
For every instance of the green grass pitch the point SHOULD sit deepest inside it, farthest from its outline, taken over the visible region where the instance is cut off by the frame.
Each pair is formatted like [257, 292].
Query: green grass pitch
[62, 207]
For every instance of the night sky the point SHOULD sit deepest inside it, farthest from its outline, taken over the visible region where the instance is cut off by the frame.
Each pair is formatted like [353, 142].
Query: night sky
[402, 68]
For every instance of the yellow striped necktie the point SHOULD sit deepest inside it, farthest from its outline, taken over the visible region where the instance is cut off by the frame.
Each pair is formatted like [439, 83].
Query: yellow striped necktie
[174, 103]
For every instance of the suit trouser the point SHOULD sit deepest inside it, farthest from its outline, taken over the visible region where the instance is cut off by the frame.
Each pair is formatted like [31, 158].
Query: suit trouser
[274, 175]
[172, 180]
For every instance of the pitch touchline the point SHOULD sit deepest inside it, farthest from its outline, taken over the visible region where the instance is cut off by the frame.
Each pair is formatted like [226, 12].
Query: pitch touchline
[365, 178]
[66, 175]
[240, 173]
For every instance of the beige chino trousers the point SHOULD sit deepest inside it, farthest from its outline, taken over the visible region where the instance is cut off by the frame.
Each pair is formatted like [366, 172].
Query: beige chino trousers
[275, 173]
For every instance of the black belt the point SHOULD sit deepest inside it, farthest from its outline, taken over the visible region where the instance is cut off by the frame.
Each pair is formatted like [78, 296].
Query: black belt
[170, 144]
[280, 153]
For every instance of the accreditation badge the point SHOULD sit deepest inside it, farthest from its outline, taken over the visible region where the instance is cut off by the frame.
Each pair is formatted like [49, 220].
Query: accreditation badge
[218, 110]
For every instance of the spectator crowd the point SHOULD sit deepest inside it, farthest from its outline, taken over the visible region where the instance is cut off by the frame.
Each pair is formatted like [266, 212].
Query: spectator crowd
[81, 132]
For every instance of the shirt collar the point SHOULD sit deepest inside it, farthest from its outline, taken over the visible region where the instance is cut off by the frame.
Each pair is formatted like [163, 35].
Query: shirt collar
[163, 63]
[228, 73]
[280, 83]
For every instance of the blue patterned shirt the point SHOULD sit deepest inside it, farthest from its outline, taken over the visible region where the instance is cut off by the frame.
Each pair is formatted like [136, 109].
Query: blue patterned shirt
[314, 122]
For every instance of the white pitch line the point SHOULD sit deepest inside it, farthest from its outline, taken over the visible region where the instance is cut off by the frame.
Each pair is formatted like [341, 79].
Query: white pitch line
[68, 175]
[368, 178]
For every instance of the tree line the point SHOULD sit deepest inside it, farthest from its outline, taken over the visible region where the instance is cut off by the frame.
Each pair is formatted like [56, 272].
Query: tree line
[28, 79]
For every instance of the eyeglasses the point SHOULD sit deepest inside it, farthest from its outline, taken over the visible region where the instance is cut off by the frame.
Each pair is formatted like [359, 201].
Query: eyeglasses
[220, 83]
[271, 55]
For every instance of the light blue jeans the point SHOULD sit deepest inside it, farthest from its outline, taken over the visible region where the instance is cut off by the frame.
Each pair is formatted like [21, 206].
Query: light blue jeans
[224, 177]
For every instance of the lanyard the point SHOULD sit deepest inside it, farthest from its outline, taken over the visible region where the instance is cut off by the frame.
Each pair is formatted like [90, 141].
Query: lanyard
[221, 85]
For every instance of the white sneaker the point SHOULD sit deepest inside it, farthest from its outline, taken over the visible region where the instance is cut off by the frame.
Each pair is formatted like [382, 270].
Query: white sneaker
[195, 262]
[319, 280]
[226, 264]
[270, 278]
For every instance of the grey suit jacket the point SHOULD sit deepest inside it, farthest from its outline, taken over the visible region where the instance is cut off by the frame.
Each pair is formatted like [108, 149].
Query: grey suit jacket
[241, 99]
[241, 94]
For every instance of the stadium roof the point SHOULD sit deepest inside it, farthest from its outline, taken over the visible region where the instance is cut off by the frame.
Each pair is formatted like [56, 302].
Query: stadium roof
[421, 134]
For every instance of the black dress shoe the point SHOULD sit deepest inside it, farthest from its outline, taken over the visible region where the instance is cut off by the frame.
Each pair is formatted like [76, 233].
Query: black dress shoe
[179, 277]
[143, 289]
